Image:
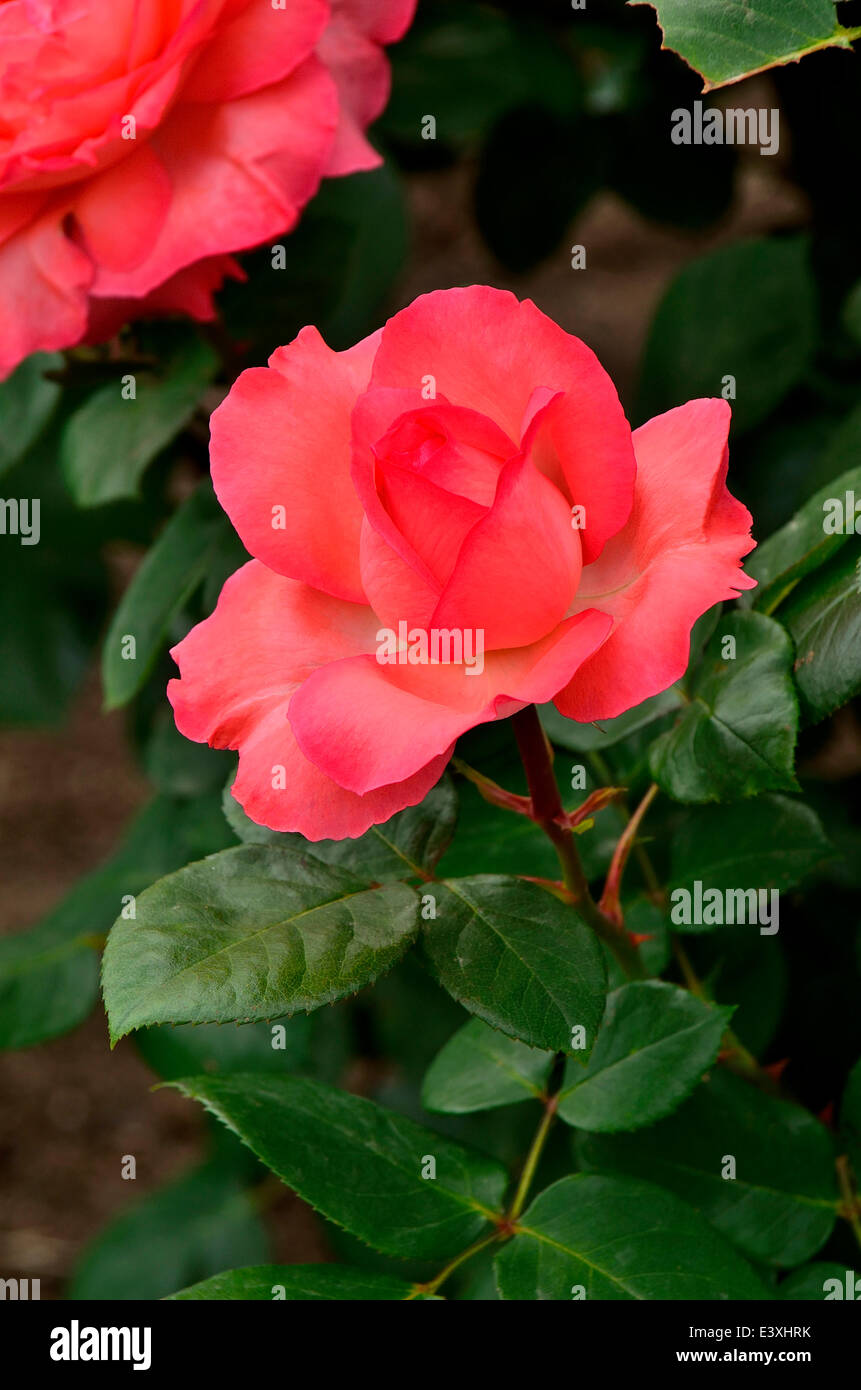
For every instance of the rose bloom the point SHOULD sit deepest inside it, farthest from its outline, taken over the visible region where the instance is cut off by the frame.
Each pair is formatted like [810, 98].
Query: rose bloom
[468, 468]
[235, 109]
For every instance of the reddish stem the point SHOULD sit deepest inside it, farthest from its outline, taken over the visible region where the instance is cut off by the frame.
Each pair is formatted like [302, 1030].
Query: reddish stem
[610, 902]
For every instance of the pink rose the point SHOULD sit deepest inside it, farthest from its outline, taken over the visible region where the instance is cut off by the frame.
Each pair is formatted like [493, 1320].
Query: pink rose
[143, 140]
[465, 474]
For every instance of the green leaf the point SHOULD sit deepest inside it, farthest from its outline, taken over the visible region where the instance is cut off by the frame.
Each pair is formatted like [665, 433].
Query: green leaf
[27, 401]
[616, 1239]
[109, 441]
[587, 738]
[747, 311]
[372, 205]
[268, 1283]
[479, 1069]
[371, 1181]
[253, 933]
[491, 839]
[53, 594]
[653, 1047]
[177, 766]
[517, 957]
[49, 975]
[768, 843]
[43, 644]
[850, 1118]
[169, 574]
[823, 617]
[643, 917]
[470, 64]
[737, 735]
[800, 546]
[725, 41]
[812, 1282]
[211, 1047]
[780, 1207]
[407, 846]
[227, 556]
[408, 993]
[338, 266]
[175, 1236]
[750, 972]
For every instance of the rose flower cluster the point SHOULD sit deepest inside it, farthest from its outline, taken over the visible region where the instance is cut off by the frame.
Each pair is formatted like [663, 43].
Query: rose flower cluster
[143, 141]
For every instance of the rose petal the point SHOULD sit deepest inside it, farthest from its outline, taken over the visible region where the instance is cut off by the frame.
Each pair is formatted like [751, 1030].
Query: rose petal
[489, 351]
[44, 280]
[425, 475]
[396, 589]
[367, 725]
[384, 21]
[240, 171]
[189, 292]
[679, 554]
[140, 182]
[350, 48]
[240, 669]
[310, 802]
[269, 450]
[259, 46]
[518, 569]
